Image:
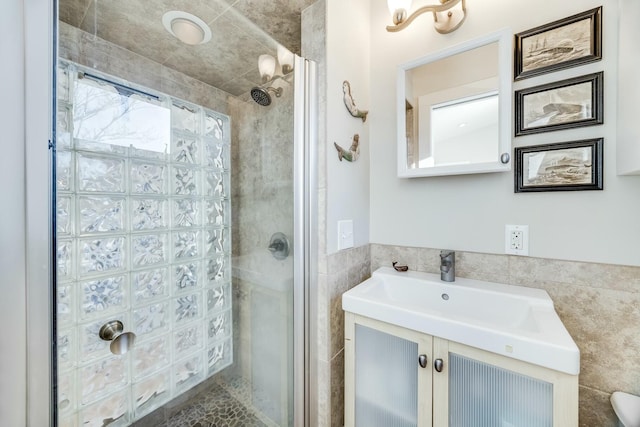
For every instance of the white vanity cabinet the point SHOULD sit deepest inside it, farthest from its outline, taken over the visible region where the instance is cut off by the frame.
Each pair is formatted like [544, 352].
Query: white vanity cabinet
[459, 386]
[386, 386]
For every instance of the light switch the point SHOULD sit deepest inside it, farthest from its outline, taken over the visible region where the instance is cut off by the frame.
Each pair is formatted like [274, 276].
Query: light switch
[345, 234]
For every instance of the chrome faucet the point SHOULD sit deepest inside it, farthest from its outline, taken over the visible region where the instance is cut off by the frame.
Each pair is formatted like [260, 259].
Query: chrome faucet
[448, 266]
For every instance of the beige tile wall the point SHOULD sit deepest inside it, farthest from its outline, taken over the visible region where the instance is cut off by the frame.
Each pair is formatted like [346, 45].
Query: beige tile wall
[345, 269]
[261, 172]
[262, 204]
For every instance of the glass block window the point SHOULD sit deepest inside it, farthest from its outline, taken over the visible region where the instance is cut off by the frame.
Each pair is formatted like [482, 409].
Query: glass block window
[144, 226]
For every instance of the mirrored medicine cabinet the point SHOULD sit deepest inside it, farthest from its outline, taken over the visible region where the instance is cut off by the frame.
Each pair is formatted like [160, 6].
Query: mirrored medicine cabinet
[454, 109]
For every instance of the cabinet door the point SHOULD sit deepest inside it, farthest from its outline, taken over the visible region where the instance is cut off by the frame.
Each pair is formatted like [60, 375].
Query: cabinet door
[478, 389]
[385, 384]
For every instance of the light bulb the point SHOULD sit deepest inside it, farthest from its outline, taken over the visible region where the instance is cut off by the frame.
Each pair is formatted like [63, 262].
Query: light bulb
[398, 10]
[267, 67]
[285, 58]
[187, 31]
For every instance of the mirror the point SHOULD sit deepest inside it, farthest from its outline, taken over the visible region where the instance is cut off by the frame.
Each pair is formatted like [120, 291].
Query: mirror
[454, 110]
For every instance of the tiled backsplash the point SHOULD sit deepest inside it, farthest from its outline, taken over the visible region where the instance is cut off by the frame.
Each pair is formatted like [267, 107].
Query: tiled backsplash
[598, 303]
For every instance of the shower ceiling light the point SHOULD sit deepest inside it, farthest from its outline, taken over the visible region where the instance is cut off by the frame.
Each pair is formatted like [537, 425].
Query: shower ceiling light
[446, 15]
[186, 27]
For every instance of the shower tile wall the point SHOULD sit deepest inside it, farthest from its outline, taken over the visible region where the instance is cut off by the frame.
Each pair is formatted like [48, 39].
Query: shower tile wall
[91, 51]
[143, 237]
[262, 196]
[262, 172]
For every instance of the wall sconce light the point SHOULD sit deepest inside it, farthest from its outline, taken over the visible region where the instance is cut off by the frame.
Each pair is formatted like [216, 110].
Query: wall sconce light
[448, 15]
[267, 65]
[269, 73]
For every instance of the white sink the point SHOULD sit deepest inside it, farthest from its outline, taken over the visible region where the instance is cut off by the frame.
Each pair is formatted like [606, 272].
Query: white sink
[513, 321]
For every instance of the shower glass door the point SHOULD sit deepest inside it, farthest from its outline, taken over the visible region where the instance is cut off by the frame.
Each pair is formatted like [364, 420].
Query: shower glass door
[174, 229]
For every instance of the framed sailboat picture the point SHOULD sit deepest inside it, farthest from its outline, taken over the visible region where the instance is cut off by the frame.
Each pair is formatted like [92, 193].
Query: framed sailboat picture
[563, 166]
[565, 104]
[561, 44]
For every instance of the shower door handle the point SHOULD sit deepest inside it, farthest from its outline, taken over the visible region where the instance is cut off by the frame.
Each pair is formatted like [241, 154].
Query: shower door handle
[121, 342]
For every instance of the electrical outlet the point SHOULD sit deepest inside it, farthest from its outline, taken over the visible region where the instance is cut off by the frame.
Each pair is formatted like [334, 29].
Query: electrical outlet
[516, 239]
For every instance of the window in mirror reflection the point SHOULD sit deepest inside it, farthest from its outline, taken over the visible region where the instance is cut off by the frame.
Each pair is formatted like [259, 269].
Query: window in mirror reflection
[466, 130]
[451, 114]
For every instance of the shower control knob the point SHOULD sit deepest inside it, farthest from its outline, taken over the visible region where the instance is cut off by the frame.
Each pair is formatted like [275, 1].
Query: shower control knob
[279, 246]
[422, 360]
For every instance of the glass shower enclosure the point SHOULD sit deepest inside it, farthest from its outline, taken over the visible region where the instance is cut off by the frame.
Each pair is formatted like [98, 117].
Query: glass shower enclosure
[180, 222]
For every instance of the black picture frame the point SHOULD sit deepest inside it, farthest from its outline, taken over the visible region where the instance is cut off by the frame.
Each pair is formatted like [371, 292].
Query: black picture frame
[565, 104]
[565, 166]
[561, 44]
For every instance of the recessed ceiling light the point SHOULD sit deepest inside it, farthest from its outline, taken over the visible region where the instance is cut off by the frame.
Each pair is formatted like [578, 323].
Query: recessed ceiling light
[186, 27]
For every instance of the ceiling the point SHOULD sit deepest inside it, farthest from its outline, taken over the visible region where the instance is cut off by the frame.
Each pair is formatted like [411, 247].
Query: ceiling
[241, 30]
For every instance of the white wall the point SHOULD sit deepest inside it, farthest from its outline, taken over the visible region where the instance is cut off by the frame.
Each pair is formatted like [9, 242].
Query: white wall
[12, 218]
[469, 212]
[347, 42]
[629, 90]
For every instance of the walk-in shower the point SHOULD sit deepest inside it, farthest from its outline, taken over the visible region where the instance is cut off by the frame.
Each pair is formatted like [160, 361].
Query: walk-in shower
[171, 307]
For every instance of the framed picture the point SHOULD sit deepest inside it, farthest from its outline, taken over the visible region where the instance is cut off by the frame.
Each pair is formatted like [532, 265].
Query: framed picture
[561, 44]
[566, 104]
[564, 166]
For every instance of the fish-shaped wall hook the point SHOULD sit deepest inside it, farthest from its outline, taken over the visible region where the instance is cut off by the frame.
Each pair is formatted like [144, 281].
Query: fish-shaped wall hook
[350, 103]
[352, 154]
[401, 268]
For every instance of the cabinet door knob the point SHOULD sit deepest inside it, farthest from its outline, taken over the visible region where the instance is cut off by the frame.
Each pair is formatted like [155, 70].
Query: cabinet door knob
[422, 360]
[438, 364]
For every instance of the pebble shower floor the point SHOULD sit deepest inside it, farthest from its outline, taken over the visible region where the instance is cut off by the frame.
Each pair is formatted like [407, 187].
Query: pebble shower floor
[143, 236]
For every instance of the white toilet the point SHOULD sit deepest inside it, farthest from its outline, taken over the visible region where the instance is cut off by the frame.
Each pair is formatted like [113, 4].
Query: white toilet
[627, 408]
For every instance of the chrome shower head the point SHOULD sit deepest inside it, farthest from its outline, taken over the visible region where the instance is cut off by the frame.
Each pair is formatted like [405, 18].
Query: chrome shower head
[262, 96]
